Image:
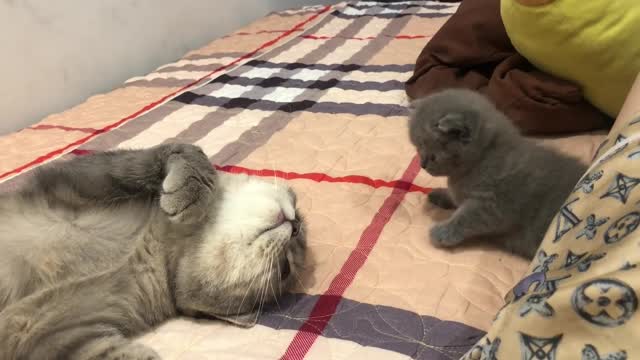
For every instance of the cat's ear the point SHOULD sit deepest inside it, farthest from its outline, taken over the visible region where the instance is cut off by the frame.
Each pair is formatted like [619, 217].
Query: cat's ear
[247, 320]
[454, 125]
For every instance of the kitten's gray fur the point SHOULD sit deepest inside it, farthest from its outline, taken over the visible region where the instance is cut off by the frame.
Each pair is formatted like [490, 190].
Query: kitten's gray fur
[501, 184]
[106, 246]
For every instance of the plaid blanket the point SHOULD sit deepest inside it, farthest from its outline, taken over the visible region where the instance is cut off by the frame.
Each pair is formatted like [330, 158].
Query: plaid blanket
[313, 96]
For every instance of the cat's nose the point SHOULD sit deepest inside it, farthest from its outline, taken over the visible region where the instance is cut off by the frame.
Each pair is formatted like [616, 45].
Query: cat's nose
[281, 218]
[424, 162]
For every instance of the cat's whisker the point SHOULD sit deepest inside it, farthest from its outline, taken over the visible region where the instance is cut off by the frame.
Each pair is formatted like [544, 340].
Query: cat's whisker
[263, 291]
[275, 177]
[253, 278]
[278, 268]
[275, 296]
[265, 277]
[246, 293]
[295, 276]
[259, 291]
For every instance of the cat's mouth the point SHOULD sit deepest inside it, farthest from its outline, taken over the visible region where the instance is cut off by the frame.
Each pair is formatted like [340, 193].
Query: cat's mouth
[282, 221]
[274, 227]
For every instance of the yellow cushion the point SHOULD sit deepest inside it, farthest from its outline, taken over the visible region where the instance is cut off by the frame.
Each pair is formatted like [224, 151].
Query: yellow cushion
[594, 43]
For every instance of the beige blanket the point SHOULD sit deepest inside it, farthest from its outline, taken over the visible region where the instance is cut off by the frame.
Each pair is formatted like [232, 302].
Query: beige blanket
[314, 96]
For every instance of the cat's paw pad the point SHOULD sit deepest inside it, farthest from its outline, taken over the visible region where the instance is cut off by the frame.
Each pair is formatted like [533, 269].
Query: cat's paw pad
[443, 235]
[186, 191]
[193, 155]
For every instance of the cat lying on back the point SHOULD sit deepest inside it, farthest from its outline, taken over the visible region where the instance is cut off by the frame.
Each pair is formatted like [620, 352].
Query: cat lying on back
[103, 247]
[501, 184]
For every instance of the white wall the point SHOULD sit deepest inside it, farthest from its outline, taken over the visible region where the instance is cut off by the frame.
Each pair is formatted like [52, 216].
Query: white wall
[56, 53]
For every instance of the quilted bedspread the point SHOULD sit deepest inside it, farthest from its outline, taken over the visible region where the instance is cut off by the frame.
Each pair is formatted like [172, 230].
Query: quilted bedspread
[314, 96]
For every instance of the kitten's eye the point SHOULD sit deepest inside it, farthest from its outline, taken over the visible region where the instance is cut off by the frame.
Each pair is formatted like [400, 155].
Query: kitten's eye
[285, 269]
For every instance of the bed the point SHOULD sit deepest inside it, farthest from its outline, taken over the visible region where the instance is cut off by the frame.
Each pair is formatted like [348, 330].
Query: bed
[314, 96]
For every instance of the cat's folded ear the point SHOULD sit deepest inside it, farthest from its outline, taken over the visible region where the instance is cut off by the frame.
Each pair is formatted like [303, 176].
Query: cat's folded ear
[455, 125]
[247, 320]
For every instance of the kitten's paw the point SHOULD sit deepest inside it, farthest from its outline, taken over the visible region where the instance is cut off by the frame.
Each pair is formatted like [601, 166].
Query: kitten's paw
[443, 235]
[188, 188]
[441, 199]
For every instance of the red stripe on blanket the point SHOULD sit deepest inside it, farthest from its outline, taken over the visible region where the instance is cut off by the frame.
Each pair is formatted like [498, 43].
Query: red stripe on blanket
[244, 33]
[62, 127]
[397, 37]
[317, 177]
[150, 106]
[81, 152]
[326, 306]
[321, 177]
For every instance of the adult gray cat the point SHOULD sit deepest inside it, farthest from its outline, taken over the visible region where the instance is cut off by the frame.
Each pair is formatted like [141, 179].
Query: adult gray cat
[501, 184]
[103, 247]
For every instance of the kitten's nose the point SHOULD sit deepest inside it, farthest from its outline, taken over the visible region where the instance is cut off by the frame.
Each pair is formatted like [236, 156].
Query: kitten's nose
[281, 218]
[423, 162]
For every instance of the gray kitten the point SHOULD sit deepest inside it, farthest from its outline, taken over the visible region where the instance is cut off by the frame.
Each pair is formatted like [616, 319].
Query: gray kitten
[103, 247]
[501, 184]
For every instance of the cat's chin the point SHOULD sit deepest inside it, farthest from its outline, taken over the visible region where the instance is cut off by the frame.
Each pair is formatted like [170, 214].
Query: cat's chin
[436, 173]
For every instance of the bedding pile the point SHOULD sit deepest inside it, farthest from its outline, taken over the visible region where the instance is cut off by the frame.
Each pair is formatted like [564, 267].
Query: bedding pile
[314, 96]
[473, 50]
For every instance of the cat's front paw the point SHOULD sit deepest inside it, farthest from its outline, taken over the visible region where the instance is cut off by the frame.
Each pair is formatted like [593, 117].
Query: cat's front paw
[192, 154]
[132, 351]
[188, 188]
[441, 199]
[444, 235]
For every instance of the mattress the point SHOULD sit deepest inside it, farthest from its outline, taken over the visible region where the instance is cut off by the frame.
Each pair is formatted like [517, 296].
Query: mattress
[314, 96]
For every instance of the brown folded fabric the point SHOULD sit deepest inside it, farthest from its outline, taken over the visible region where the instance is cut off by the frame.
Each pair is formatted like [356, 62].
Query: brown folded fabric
[472, 50]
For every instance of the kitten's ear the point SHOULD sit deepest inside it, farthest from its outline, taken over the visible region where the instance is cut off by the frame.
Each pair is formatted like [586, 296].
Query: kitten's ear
[454, 125]
[247, 320]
